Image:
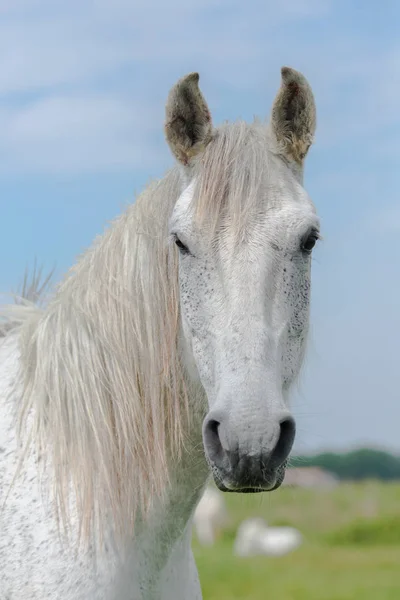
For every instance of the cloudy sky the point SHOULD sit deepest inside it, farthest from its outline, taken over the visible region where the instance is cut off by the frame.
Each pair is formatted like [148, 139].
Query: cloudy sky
[82, 92]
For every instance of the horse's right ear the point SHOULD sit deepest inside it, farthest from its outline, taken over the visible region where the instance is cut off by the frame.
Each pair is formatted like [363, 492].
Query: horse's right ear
[188, 126]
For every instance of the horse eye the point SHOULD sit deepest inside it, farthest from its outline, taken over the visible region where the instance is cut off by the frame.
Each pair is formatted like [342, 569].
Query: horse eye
[182, 248]
[309, 243]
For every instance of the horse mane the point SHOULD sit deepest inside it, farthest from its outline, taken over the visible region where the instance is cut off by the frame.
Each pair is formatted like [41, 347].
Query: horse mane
[233, 174]
[102, 383]
[31, 294]
[104, 395]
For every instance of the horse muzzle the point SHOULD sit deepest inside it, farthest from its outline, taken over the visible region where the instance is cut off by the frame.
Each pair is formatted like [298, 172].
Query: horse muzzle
[248, 462]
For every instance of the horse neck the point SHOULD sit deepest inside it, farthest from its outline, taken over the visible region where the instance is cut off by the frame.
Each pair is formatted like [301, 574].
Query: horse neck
[161, 549]
[188, 473]
[187, 480]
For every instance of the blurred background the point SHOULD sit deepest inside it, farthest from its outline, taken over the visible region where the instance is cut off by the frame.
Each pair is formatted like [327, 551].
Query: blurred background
[83, 86]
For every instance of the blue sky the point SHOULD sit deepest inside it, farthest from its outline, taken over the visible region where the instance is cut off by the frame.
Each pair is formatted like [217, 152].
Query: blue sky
[82, 93]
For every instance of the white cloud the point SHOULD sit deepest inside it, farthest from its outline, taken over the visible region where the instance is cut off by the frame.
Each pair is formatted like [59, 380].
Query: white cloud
[68, 44]
[58, 59]
[64, 133]
[47, 52]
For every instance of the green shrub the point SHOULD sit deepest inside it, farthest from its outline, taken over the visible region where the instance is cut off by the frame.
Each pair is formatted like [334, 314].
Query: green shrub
[367, 532]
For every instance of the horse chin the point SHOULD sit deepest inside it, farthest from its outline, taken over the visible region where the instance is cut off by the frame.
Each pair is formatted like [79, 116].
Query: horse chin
[276, 482]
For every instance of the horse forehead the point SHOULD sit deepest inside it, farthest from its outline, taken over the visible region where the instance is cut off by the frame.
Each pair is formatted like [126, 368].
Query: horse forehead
[285, 200]
[290, 211]
[288, 208]
[287, 194]
[181, 210]
[280, 221]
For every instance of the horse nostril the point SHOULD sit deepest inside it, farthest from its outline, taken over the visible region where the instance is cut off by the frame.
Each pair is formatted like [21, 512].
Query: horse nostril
[212, 441]
[285, 442]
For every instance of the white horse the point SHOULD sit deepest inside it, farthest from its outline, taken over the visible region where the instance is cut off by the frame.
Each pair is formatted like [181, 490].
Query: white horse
[210, 516]
[254, 537]
[168, 351]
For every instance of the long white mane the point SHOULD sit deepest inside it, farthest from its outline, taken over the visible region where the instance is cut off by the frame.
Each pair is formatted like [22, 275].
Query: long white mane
[101, 380]
[32, 292]
[104, 396]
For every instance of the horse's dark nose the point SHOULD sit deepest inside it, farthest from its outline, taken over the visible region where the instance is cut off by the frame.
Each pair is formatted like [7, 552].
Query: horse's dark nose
[246, 462]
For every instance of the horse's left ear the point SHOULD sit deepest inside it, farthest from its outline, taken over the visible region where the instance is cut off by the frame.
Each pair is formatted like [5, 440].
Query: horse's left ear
[188, 126]
[293, 119]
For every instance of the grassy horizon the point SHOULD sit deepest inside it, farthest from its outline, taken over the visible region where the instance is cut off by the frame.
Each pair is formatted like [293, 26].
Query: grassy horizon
[351, 548]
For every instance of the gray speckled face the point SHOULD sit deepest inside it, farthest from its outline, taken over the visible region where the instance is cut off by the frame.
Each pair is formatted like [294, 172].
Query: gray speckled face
[245, 309]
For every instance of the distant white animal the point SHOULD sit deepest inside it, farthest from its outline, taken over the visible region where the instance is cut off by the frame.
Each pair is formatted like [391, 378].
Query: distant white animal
[210, 516]
[255, 537]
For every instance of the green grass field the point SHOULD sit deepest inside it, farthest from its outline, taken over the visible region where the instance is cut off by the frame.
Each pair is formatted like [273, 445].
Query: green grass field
[351, 548]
